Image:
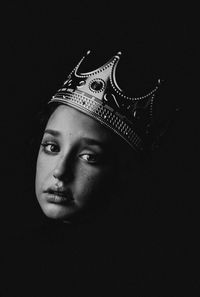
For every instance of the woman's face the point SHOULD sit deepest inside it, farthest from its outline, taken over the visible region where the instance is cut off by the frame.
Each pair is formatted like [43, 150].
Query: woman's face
[75, 164]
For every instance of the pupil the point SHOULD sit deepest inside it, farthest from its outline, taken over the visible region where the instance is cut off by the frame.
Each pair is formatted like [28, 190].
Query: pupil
[53, 148]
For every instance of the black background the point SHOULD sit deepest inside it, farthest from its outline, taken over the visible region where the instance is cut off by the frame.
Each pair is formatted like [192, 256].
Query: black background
[41, 44]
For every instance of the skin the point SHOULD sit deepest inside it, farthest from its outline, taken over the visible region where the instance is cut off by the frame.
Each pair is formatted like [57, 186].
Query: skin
[79, 155]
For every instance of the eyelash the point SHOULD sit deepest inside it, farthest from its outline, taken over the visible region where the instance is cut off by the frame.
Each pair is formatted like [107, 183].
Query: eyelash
[46, 144]
[96, 157]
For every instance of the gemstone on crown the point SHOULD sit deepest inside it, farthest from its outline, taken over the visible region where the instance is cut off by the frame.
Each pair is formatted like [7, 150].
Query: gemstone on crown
[97, 85]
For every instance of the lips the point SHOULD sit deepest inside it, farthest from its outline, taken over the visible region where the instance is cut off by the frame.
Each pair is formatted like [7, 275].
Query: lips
[59, 196]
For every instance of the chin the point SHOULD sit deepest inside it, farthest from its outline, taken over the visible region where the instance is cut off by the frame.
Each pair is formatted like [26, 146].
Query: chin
[58, 212]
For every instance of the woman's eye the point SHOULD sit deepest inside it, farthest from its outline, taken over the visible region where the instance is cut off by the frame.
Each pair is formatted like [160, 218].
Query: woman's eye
[50, 148]
[90, 158]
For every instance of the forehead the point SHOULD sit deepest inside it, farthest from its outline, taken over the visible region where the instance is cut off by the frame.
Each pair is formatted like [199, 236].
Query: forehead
[70, 122]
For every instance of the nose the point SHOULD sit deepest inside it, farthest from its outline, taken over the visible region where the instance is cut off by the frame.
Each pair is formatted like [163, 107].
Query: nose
[63, 169]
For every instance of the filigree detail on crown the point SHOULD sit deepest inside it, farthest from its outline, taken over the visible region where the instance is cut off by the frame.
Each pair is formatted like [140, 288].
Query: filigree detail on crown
[98, 95]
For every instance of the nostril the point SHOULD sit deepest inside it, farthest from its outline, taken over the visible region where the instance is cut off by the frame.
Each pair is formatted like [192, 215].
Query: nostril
[63, 171]
[56, 173]
[60, 168]
[59, 184]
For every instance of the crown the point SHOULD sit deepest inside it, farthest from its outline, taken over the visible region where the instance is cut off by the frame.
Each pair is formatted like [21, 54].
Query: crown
[98, 95]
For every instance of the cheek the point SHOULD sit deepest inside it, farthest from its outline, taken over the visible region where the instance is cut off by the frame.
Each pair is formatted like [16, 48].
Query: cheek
[38, 176]
[93, 183]
[42, 171]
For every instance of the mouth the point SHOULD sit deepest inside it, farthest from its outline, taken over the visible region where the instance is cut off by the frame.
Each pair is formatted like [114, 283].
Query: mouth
[59, 197]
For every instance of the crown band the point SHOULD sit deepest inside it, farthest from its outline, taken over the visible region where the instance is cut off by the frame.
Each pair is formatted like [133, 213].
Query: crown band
[103, 113]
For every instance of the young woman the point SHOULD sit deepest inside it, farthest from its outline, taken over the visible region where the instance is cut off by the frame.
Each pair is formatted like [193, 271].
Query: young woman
[89, 186]
[88, 176]
[91, 146]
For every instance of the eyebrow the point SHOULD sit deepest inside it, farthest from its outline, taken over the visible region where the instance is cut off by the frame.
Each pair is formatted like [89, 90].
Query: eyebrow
[91, 141]
[87, 140]
[52, 132]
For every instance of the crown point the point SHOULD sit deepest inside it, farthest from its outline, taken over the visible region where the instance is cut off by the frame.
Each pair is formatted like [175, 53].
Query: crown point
[101, 98]
[118, 55]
